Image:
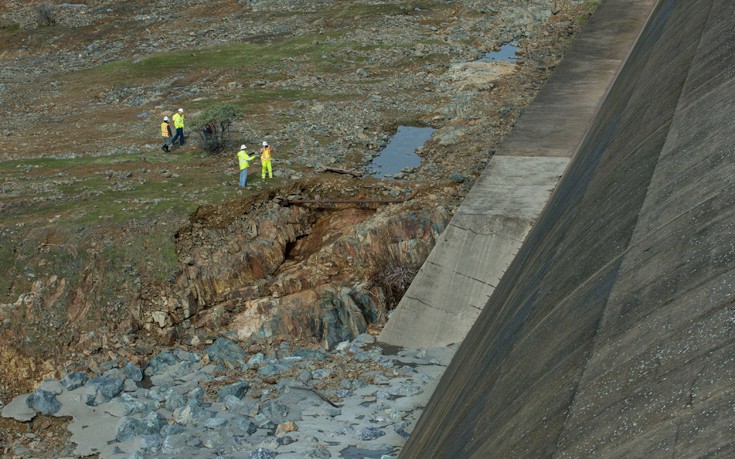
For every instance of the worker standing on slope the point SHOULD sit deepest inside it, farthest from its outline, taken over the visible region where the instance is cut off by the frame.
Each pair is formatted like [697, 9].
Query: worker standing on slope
[265, 161]
[179, 125]
[243, 158]
[166, 133]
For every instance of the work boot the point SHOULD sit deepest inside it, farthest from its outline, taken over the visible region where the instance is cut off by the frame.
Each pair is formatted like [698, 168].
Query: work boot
[164, 149]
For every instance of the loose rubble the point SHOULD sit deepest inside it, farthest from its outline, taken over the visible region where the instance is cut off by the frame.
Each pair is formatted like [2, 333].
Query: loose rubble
[359, 400]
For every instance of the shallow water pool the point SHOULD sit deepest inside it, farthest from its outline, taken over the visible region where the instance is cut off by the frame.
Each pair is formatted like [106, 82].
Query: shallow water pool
[401, 151]
[506, 53]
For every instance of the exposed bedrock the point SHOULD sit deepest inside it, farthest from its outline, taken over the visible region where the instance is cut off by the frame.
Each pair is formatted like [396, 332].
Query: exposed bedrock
[273, 270]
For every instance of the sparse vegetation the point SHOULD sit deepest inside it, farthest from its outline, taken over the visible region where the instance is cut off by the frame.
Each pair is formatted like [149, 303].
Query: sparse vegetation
[113, 189]
[45, 15]
[10, 28]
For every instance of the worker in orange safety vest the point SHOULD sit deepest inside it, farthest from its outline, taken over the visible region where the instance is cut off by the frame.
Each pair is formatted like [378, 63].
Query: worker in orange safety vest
[265, 161]
[166, 133]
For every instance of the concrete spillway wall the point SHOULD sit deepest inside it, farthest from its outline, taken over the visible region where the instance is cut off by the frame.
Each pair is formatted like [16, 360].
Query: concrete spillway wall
[612, 333]
[488, 229]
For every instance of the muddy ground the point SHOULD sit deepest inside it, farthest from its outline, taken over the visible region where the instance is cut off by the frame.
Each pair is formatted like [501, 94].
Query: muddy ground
[91, 210]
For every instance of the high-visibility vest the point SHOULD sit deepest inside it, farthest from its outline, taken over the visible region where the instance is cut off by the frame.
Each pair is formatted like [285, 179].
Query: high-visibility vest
[178, 120]
[244, 159]
[164, 129]
[265, 154]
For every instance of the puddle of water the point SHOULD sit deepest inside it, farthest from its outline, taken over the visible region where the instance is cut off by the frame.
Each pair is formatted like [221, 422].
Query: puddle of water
[507, 53]
[401, 151]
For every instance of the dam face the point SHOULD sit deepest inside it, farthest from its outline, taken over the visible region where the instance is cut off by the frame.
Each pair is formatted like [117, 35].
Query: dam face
[612, 333]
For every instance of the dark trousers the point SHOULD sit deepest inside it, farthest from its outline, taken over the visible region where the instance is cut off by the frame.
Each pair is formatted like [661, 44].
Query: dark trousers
[179, 135]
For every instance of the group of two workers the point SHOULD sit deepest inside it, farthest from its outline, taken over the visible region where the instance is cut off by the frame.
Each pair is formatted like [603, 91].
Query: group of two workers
[244, 159]
[168, 140]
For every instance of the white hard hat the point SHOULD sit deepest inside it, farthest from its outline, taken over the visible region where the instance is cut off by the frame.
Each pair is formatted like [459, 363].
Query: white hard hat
[165, 118]
[265, 144]
[243, 147]
[181, 110]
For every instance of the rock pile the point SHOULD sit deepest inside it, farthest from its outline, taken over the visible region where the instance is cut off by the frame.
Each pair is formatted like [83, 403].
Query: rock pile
[355, 401]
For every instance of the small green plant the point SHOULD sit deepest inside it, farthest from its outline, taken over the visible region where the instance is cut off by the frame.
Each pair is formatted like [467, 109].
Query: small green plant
[10, 28]
[45, 15]
[213, 126]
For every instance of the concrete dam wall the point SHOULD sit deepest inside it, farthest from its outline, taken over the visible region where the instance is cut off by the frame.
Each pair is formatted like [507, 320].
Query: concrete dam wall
[612, 332]
[488, 229]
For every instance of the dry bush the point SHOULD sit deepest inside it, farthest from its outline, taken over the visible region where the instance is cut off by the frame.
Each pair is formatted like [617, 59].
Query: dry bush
[392, 275]
[45, 15]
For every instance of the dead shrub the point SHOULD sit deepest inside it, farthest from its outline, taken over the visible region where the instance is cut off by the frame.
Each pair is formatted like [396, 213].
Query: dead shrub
[45, 15]
[392, 275]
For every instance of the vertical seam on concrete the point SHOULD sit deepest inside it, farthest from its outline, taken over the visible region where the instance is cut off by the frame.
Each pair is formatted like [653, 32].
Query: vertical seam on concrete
[580, 378]
[601, 321]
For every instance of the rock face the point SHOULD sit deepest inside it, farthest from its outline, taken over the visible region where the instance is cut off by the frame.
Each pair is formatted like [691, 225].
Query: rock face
[268, 269]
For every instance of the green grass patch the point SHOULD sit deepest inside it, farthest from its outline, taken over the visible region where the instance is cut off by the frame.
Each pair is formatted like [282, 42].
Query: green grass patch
[54, 165]
[357, 11]
[10, 29]
[255, 59]
[155, 249]
[99, 189]
[7, 260]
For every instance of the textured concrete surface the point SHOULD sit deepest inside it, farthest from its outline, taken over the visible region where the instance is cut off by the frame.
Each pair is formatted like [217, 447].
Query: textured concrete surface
[472, 253]
[488, 229]
[612, 333]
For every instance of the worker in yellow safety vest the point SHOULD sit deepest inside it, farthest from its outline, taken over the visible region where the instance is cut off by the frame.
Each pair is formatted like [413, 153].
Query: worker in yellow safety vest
[166, 133]
[265, 161]
[179, 125]
[243, 158]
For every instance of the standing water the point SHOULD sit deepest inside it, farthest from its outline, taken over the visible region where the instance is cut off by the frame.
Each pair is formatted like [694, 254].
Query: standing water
[507, 53]
[401, 151]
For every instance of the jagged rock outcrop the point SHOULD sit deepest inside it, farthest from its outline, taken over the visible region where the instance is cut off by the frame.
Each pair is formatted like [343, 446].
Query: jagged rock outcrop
[266, 269]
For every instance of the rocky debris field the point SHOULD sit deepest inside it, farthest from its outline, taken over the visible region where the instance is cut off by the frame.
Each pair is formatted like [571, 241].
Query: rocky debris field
[114, 251]
[292, 402]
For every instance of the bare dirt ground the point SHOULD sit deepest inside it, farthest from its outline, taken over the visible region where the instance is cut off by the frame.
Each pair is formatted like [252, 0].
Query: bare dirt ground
[89, 205]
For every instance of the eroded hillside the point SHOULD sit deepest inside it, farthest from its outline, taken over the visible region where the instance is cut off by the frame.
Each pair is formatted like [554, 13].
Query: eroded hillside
[111, 246]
